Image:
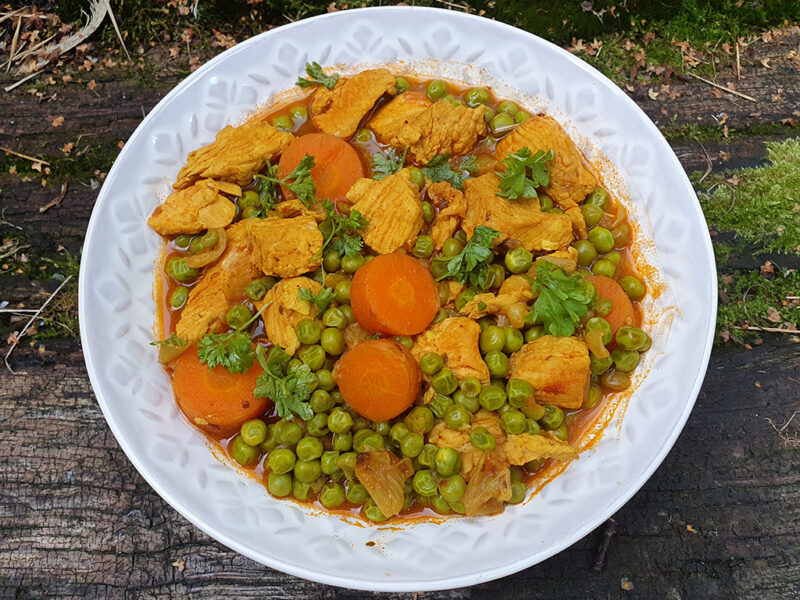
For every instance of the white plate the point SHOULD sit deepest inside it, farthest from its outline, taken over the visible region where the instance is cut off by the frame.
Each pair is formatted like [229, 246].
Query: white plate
[117, 307]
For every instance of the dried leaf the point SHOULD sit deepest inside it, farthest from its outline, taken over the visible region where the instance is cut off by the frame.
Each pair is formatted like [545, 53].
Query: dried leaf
[773, 316]
[57, 122]
[92, 85]
[767, 269]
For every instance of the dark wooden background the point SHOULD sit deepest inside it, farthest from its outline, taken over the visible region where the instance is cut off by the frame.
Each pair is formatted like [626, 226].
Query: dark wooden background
[719, 519]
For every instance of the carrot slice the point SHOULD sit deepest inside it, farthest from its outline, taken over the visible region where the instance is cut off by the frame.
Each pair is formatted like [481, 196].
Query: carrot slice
[338, 165]
[216, 401]
[394, 294]
[622, 312]
[379, 379]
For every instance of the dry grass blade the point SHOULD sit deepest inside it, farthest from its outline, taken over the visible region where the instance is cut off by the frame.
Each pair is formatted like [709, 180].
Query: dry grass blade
[8, 250]
[791, 440]
[767, 329]
[722, 87]
[708, 162]
[25, 156]
[13, 14]
[116, 28]
[28, 52]
[14, 43]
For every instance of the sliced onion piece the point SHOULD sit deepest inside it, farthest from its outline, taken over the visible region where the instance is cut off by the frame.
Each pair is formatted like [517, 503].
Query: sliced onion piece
[384, 475]
[594, 339]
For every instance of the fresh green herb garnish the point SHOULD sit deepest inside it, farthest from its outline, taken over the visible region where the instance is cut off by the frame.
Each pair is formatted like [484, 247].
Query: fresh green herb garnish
[515, 182]
[563, 299]
[470, 165]
[267, 189]
[173, 341]
[317, 77]
[298, 181]
[349, 243]
[472, 263]
[323, 299]
[387, 163]
[439, 169]
[288, 387]
[231, 350]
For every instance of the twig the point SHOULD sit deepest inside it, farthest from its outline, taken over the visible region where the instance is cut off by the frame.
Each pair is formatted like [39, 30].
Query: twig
[602, 552]
[13, 14]
[767, 329]
[12, 250]
[55, 201]
[28, 52]
[793, 441]
[461, 7]
[14, 43]
[738, 64]
[30, 322]
[25, 156]
[710, 164]
[4, 221]
[723, 88]
[116, 28]
[793, 297]
[16, 84]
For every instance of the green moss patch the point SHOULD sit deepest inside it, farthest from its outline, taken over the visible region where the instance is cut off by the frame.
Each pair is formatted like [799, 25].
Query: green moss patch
[758, 300]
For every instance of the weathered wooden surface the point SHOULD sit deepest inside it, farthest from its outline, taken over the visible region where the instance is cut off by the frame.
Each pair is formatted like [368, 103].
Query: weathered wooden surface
[720, 519]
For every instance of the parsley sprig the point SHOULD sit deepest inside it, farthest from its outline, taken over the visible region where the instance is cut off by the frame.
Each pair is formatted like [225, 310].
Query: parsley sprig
[524, 173]
[298, 181]
[289, 388]
[317, 77]
[322, 299]
[471, 265]
[231, 350]
[439, 169]
[563, 299]
[348, 242]
[387, 163]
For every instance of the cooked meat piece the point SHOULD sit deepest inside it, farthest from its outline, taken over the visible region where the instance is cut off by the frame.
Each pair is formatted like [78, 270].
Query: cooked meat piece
[354, 335]
[285, 247]
[389, 119]
[556, 367]
[393, 210]
[235, 155]
[566, 259]
[443, 436]
[570, 181]
[452, 206]
[441, 128]
[524, 447]
[456, 340]
[491, 304]
[340, 110]
[519, 221]
[287, 310]
[195, 209]
[222, 286]
[516, 284]
[295, 208]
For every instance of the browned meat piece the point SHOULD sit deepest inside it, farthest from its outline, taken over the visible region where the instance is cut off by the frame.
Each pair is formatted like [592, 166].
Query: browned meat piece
[453, 208]
[340, 110]
[285, 247]
[524, 447]
[397, 113]
[196, 209]
[456, 340]
[570, 180]
[235, 155]
[519, 221]
[286, 310]
[566, 259]
[441, 128]
[392, 208]
[556, 367]
[295, 208]
[514, 289]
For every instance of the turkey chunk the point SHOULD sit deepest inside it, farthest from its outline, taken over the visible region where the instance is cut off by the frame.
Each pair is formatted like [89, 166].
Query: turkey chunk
[295, 208]
[566, 259]
[285, 247]
[456, 341]
[340, 110]
[354, 335]
[392, 208]
[519, 221]
[397, 113]
[195, 209]
[524, 447]
[441, 128]
[452, 207]
[556, 367]
[570, 181]
[514, 289]
[286, 310]
[223, 285]
[235, 155]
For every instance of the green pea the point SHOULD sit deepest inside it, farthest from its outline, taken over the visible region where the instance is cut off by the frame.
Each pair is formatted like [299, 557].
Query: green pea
[342, 292]
[441, 315]
[613, 256]
[331, 261]
[428, 455]
[288, 433]
[586, 252]
[411, 445]
[340, 421]
[249, 212]
[313, 356]
[598, 197]
[515, 473]
[632, 286]
[457, 417]
[518, 391]
[270, 442]
[598, 366]
[497, 274]
[328, 462]
[381, 428]
[556, 211]
[514, 339]
[601, 324]
[508, 107]
[423, 247]
[513, 421]
[561, 433]
[605, 268]
[401, 84]
[447, 462]
[298, 114]
[440, 505]
[418, 178]
[404, 340]
[436, 89]
[318, 425]
[521, 116]
[253, 432]
[471, 387]
[470, 404]
[518, 492]
[182, 241]
[307, 470]
[355, 493]
[452, 488]
[424, 483]
[333, 317]
[178, 297]
[372, 512]
[602, 239]
[308, 331]
[300, 490]
[243, 453]
[497, 363]
[431, 363]
[603, 306]
[593, 397]
[625, 360]
[347, 462]
[238, 316]
[553, 417]
[492, 397]
[501, 122]
[321, 401]
[332, 341]
[419, 419]
[476, 97]
[360, 423]
[281, 460]
[535, 465]
[325, 380]
[647, 343]
[464, 297]
[493, 338]
[534, 333]
[283, 122]
[452, 247]
[177, 269]
[532, 427]
[309, 448]
[196, 245]
[364, 441]
[279, 484]
[592, 214]
[518, 260]
[615, 380]
[398, 431]
[488, 114]
[342, 442]
[482, 439]
[630, 338]
[444, 382]
[351, 264]
[257, 288]
[622, 235]
[545, 202]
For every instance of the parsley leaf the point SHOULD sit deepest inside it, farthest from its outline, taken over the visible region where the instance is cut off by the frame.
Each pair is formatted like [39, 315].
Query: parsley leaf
[563, 299]
[173, 341]
[387, 163]
[288, 388]
[298, 181]
[348, 243]
[267, 189]
[231, 350]
[515, 181]
[323, 299]
[439, 169]
[472, 263]
[317, 77]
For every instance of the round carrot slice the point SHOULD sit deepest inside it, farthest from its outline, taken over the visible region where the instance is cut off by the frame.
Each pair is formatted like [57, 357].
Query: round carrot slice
[622, 312]
[337, 164]
[394, 294]
[379, 379]
[216, 400]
